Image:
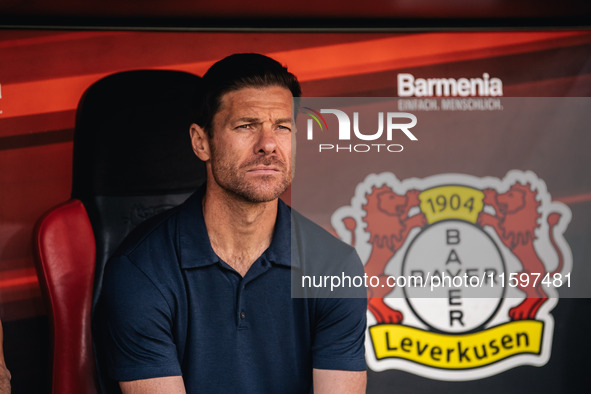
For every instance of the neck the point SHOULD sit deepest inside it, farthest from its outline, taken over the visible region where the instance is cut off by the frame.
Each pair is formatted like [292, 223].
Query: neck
[239, 231]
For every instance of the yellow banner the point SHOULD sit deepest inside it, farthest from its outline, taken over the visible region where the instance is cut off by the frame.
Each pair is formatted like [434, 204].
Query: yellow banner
[453, 351]
[451, 202]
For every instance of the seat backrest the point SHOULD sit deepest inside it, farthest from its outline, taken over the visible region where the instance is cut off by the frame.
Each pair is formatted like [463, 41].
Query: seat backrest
[132, 152]
[132, 159]
[65, 253]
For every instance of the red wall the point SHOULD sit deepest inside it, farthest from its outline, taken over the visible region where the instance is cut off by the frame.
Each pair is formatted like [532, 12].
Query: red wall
[44, 73]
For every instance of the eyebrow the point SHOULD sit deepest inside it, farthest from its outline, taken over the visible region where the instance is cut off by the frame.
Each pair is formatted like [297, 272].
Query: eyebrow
[283, 120]
[257, 120]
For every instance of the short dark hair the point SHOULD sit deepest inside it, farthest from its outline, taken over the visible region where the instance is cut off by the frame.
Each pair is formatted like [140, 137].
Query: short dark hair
[239, 71]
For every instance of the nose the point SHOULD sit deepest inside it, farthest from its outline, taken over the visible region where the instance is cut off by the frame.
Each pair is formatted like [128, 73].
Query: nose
[267, 141]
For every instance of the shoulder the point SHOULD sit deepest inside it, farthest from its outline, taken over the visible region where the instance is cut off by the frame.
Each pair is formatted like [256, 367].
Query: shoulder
[158, 237]
[323, 260]
[155, 229]
[149, 254]
[143, 278]
[312, 237]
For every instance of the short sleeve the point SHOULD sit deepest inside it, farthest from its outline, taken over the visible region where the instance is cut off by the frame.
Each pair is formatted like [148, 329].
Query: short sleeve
[339, 334]
[135, 324]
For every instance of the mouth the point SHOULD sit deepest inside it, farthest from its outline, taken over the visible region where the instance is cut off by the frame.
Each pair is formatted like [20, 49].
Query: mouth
[264, 170]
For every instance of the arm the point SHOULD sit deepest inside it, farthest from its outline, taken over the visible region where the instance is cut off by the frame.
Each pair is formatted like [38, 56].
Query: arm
[133, 322]
[4, 373]
[328, 381]
[339, 352]
[165, 385]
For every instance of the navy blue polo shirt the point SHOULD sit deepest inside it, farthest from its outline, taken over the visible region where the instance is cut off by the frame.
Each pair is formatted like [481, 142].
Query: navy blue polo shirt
[170, 306]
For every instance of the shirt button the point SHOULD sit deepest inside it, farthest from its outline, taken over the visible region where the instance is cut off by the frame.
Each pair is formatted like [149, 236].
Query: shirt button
[242, 315]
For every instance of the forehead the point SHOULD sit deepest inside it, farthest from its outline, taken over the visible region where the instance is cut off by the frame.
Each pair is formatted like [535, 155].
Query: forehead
[256, 101]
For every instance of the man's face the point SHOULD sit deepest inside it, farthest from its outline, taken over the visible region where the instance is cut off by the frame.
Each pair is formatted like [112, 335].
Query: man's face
[251, 143]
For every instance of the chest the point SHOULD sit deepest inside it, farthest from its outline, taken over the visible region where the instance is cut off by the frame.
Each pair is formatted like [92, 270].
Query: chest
[252, 326]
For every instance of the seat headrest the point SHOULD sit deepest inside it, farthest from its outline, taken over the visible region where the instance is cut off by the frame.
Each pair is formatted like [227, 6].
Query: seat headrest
[132, 135]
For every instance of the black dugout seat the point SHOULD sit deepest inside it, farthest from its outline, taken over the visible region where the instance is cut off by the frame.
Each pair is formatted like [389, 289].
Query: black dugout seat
[132, 152]
[132, 160]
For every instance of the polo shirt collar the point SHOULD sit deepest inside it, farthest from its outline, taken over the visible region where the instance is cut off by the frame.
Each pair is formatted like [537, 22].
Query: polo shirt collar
[195, 247]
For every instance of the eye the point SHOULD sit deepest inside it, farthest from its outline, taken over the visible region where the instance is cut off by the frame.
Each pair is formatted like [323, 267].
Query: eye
[243, 126]
[284, 128]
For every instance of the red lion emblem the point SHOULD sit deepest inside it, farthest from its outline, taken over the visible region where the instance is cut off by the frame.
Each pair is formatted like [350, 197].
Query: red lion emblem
[388, 224]
[515, 223]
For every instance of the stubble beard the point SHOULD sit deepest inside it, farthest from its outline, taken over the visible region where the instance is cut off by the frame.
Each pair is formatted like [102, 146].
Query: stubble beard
[264, 188]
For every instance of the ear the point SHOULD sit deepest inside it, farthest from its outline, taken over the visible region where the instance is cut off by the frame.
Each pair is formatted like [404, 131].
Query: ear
[200, 142]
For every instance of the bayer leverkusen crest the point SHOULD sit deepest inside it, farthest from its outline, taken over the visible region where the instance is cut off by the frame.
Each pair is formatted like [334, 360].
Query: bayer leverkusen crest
[465, 271]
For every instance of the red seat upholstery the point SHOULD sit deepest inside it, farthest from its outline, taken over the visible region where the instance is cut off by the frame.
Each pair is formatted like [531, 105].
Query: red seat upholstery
[65, 248]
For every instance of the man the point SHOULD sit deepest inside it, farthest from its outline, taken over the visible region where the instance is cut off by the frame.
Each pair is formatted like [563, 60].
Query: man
[200, 301]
